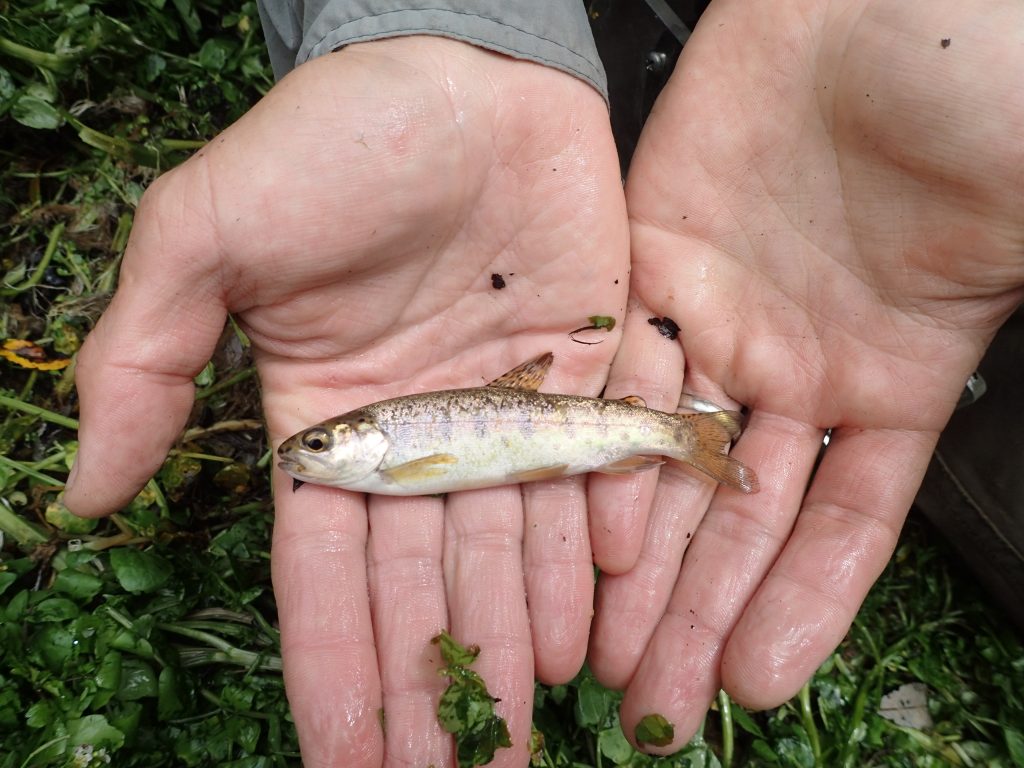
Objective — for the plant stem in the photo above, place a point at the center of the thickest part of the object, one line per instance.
(44, 262)
(807, 716)
(25, 469)
(54, 418)
(19, 529)
(230, 381)
(725, 712)
(50, 61)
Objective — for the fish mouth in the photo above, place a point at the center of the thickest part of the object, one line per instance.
(293, 468)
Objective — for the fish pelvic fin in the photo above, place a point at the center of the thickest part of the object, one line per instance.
(630, 465)
(636, 400)
(419, 469)
(712, 433)
(529, 375)
(544, 473)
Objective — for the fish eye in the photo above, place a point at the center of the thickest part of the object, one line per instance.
(316, 440)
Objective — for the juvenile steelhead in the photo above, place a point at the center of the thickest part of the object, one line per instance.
(506, 432)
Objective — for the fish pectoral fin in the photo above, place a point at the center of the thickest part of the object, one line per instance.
(630, 465)
(544, 473)
(636, 400)
(420, 469)
(529, 375)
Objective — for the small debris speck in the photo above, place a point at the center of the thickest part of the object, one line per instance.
(666, 326)
(944, 42)
(497, 281)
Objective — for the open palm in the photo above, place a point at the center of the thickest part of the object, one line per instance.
(827, 200)
(353, 221)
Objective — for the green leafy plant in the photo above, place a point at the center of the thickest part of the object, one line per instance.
(149, 639)
(466, 709)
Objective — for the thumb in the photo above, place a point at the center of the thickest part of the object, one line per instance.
(134, 372)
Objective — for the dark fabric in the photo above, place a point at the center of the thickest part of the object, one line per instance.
(974, 489)
(639, 54)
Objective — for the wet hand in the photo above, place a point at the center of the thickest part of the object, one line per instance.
(837, 246)
(352, 222)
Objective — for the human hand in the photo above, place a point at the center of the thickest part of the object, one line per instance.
(352, 221)
(827, 199)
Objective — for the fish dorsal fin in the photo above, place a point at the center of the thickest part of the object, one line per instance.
(529, 375)
(636, 400)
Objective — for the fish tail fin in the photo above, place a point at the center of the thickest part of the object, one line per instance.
(707, 451)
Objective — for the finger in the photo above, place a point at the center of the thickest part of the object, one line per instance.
(134, 373)
(559, 576)
(484, 579)
(408, 604)
(846, 532)
(629, 606)
(327, 643)
(733, 547)
(649, 365)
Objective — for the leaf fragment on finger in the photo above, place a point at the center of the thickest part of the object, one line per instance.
(597, 323)
(466, 709)
(655, 730)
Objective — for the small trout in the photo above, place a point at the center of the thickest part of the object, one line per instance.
(506, 432)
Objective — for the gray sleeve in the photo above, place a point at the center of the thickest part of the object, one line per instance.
(555, 33)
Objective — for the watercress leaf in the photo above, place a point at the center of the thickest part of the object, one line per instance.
(108, 674)
(55, 609)
(745, 721)
(214, 54)
(237, 697)
(453, 653)
(138, 681)
(16, 606)
(6, 579)
(61, 518)
(613, 745)
(1015, 745)
(95, 730)
(654, 729)
(10, 705)
(7, 86)
(172, 696)
(245, 731)
(595, 704)
(55, 646)
(152, 66)
(602, 321)
(126, 716)
(139, 571)
(77, 584)
(35, 113)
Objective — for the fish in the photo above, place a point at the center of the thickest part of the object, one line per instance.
(503, 433)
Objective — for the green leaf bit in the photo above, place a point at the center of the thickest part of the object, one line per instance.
(602, 321)
(654, 730)
(466, 709)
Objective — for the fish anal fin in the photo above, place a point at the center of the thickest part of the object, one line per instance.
(420, 469)
(636, 400)
(727, 471)
(711, 435)
(543, 473)
(529, 375)
(630, 465)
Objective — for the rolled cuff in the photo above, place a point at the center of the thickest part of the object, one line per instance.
(555, 33)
